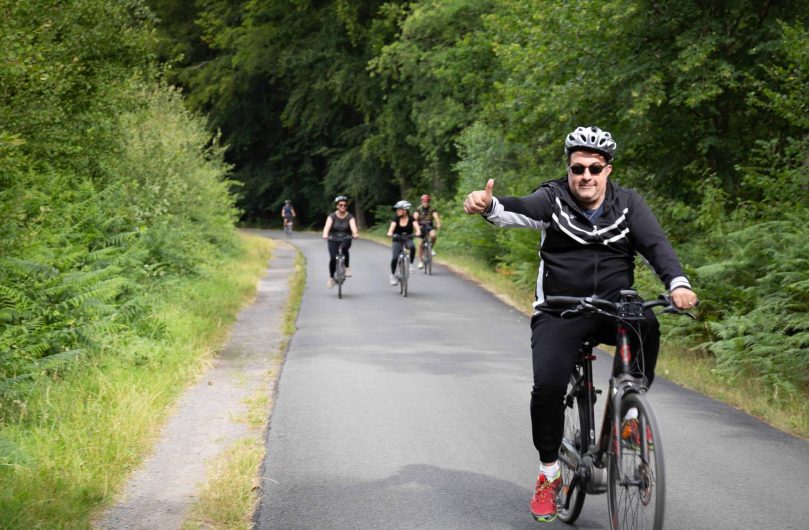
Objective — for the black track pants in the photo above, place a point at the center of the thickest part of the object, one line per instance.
(333, 246)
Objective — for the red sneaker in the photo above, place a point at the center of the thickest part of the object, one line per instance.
(543, 505)
(630, 434)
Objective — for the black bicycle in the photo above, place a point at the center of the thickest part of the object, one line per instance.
(288, 228)
(402, 263)
(340, 263)
(426, 251)
(626, 459)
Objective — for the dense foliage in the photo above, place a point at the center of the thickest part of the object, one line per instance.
(388, 99)
(108, 185)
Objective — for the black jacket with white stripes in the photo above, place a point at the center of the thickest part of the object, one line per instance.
(582, 259)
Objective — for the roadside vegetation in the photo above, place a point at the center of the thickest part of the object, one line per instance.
(120, 269)
(229, 498)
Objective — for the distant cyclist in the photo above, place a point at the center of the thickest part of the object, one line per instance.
(288, 213)
(340, 223)
(429, 222)
(402, 224)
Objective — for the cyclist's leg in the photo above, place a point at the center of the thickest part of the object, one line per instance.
(433, 236)
(554, 344)
(332, 257)
(346, 246)
(395, 249)
(412, 247)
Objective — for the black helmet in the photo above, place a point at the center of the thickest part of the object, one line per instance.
(590, 139)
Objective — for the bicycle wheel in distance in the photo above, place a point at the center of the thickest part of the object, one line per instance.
(340, 277)
(400, 275)
(637, 494)
(428, 259)
(576, 436)
(405, 274)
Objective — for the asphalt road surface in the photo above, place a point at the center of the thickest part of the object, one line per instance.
(413, 413)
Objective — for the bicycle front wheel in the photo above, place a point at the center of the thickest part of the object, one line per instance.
(405, 274)
(637, 491)
(575, 439)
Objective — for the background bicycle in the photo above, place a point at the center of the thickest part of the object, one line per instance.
(402, 273)
(340, 264)
(626, 459)
(426, 252)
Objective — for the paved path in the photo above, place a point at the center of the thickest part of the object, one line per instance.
(413, 413)
(205, 421)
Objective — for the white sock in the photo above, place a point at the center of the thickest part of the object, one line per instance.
(551, 471)
(631, 414)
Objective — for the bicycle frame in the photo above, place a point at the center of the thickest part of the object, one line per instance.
(595, 464)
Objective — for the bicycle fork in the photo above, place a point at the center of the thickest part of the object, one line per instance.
(619, 387)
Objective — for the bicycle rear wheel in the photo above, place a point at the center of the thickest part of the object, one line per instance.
(637, 492)
(575, 438)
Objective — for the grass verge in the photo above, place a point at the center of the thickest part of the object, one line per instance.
(229, 497)
(676, 363)
(78, 435)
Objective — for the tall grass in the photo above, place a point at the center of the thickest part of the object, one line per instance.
(73, 441)
(229, 497)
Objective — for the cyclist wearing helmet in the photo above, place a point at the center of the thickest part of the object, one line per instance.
(429, 222)
(591, 230)
(340, 223)
(288, 213)
(402, 224)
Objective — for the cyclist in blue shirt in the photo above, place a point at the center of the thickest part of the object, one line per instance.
(288, 213)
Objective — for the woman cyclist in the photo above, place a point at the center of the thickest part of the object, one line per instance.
(402, 224)
(340, 223)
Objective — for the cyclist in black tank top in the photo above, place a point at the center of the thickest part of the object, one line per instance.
(340, 223)
(402, 224)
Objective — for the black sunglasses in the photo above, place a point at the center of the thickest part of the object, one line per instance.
(342, 205)
(578, 169)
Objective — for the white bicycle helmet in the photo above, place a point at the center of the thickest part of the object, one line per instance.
(590, 139)
(340, 198)
(404, 205)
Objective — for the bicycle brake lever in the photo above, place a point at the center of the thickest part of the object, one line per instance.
(674, 311)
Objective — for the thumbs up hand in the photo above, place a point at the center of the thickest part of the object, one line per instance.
(479, 201)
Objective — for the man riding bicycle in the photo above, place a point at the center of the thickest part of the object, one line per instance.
(288, 213)
(429, 222)
(592, 229)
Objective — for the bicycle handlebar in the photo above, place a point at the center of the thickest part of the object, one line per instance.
(631, 305)
(402, 237)
(339, 239)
